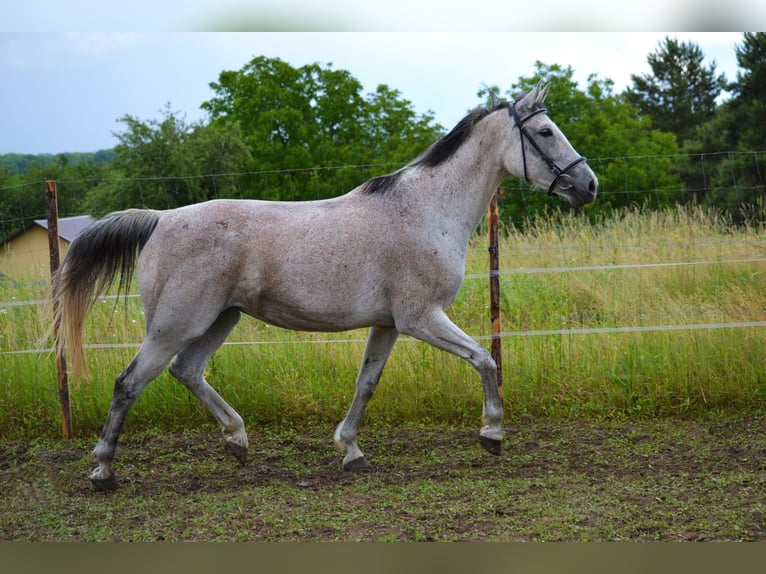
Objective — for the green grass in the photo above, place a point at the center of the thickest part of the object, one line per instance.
(302, 378)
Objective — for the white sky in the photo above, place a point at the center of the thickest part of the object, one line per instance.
(64, 91)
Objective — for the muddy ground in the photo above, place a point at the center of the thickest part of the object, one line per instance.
(556, 480)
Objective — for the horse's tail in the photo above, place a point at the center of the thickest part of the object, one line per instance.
(107, 249)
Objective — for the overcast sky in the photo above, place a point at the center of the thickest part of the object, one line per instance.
(63, 92)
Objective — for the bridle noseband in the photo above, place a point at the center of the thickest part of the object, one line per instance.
(523, 133)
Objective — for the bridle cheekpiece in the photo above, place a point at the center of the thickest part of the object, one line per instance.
(523, 133)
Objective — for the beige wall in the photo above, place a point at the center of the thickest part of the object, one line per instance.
(26, 256)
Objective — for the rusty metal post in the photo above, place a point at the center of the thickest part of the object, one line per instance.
(52, 211)
(494, 289)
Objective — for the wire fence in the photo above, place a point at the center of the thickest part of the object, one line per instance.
(292, 184)
(725, 320)
(726, 175)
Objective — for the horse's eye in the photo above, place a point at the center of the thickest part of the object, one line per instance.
(546, 132)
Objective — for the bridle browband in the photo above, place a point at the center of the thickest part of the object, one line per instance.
(523, 133)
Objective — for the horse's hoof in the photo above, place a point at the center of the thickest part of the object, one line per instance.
(239, 451)
(357, 464)
(108, 484)
(491, 445)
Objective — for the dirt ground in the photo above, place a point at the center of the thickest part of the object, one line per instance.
(638, 480)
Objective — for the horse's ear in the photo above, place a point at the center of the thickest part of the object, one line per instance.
(542, 93)
(537, 95)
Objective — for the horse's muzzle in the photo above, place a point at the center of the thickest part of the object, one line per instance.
(577, 195)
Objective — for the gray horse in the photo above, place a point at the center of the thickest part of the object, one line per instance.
(389, 255)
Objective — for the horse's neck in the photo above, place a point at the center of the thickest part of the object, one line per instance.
(460, 189)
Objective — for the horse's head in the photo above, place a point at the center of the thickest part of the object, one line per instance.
(545, 156)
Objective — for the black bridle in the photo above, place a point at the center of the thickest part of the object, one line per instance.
(523, 133)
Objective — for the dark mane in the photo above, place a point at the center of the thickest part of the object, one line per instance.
(382, 183)
(440, 151)
(444, 148)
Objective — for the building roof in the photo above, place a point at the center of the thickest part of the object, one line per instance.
(69, 227)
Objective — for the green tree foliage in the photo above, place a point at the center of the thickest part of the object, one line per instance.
(394, 132)
(279, 132)
(9, 211)
(636, 162)
(680, 92)
(298, 119)
(168, 163)
(17, 163)
(22, 191)
(22, 197)
(731, 165)
(751, 81)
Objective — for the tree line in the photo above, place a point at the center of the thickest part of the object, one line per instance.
(665, 139)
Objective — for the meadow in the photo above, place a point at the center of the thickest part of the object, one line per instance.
(636, 315)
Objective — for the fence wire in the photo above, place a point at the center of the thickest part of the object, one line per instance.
(704, 164)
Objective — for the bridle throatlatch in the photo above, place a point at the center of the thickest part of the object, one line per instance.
(523, 133)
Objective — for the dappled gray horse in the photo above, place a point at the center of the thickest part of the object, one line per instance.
(389, 255)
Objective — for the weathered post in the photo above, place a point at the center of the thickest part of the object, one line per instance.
(494, 289)
(52, 211)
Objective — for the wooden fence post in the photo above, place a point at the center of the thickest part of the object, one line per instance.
(494, 289)
(52, 212)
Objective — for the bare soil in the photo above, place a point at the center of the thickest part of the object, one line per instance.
(556, 480)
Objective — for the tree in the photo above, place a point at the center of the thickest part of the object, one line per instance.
(633, 161)
(218, 154)
(167, 163)
(749, 101)
(298, 119)
(395, 132)
(736, 179)
(13, 207)
(681, 92)
(22, 196)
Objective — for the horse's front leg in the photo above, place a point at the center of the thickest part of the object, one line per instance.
(380, 342)
(437, 329)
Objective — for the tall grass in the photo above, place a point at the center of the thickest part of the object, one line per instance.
(279, 377)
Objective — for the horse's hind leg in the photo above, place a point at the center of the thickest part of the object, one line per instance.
(380, 342)
(145, 366)
(189, 368)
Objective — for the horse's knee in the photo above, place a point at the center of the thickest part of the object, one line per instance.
(485, 364)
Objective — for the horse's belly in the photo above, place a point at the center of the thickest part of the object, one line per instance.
(319, 315)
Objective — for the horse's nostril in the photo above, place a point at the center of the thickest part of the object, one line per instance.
(592, 187)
